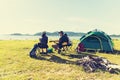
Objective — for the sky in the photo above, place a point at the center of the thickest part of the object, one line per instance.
(32, 16)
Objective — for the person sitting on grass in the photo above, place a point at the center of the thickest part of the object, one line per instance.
(63, 38)
(42, 44)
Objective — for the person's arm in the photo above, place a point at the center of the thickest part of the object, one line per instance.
(47, 40)
(61, 40)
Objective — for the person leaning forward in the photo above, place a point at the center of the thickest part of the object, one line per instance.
(63, 38)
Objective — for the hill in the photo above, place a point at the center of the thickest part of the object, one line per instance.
(56, 34)
(20, 34)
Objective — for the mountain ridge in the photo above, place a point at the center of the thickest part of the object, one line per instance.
(69, 33)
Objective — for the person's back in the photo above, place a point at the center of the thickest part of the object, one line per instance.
(67, 39)
(43, 41)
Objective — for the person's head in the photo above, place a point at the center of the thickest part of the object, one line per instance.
(43, 34)
(61, 33)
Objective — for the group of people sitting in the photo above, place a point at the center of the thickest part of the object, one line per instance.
(58, 46)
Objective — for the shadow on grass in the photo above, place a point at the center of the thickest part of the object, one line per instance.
(80, 55)
(116, 52)
(56, 59)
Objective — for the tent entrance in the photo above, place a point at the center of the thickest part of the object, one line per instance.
(94, 43)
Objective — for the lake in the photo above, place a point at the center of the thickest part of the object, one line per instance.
(15, 37)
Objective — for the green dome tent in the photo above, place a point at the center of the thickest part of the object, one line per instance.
(97, 40)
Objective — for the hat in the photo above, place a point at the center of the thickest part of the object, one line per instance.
(61, 32)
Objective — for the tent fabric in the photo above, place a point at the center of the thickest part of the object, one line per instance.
(97, 40)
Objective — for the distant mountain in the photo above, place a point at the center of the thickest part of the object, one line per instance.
(19, 34)
(75, 33)
(113, 35)
(48, 33)
(56, 33)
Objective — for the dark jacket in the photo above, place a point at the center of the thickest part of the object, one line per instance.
(63, 39)
(43, 42)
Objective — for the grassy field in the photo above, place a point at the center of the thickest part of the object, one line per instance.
(15, 63)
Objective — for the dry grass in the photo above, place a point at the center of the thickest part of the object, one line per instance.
(15, 63)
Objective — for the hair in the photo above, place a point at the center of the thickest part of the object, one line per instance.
(61, 32)
(43, 34)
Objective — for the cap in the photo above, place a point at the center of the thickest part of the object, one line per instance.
(61, 32)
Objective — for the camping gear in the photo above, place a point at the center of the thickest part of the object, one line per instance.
(50, 50)
(97, 41)
(32, 54)
(92, 64)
